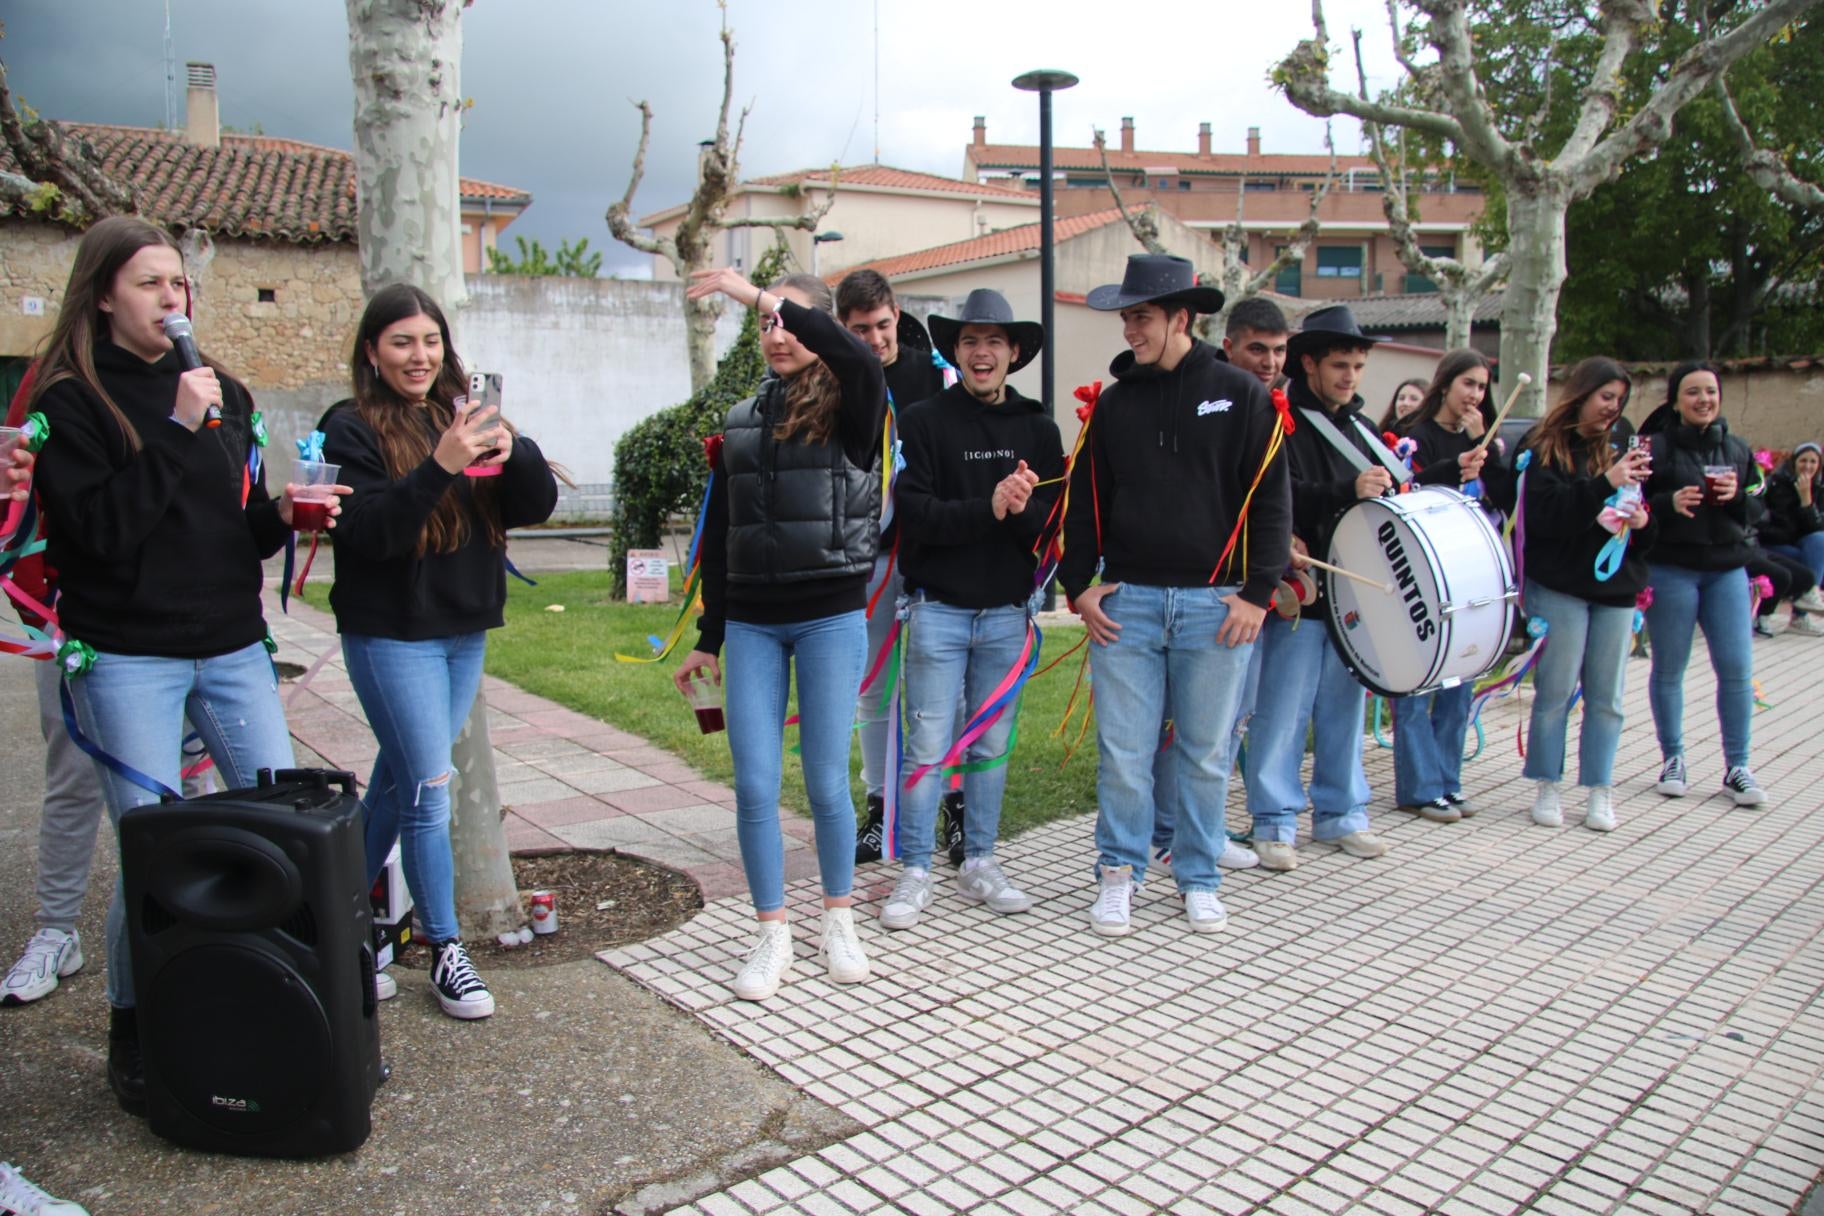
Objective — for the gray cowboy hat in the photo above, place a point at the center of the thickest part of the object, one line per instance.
(986, 306)
(1156, 278)
(1333, 321)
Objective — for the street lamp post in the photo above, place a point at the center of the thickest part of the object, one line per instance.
(1044, 82)
(818, 239)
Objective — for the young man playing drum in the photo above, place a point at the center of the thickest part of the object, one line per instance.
(1180, 496)
(1335, 459)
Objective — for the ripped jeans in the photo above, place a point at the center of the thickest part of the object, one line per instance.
(416, 696)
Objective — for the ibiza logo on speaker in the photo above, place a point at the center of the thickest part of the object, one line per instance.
(245, 1106)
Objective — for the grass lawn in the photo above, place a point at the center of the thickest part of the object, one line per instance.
(568, 657)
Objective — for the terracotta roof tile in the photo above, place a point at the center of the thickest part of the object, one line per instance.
(993, 245)
(251, 186)
(899, 179)
(1416, 310)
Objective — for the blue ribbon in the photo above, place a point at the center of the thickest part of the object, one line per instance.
(88, 747)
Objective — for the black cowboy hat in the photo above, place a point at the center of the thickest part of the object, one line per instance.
(1333, 321)
(986, 306)
(1156, 278)
(912, 335)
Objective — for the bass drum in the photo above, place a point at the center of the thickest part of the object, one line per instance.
(1451, 609)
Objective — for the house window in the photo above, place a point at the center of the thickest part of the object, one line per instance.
(1416, 284)
(268, 295)
(1290, 281)
(1184, 183)
(1339, 261)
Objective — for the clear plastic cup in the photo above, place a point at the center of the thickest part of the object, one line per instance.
(314, 494)
(706, 700)
(1714, 476)
(10, 438)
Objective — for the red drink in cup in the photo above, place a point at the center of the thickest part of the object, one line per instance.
(312, 493)
(704, 700)
(309, 516)
(1714, 476)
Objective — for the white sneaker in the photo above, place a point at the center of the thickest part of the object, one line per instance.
(768, 961)
(385, 986)
(982, 882)
(910, 895)
(1281, 855)
(1109, 914)
(1811, 601)
(20, 1196)
(841, 947)
(460, 991)
(1205, 912)
(1601, 814)
(1672, 777)
(1548, 812)
(1360, 844)
(1741, 785)
(1161, 864)
(51, 955)
(1810, 626)
(1237, 857)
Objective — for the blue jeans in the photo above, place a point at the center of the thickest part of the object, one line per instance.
(1809, 550)
(133, 707)
(1587, 641)
(1166, 663)
(827, 655)
(871, 710)
(1428, 735)
(417, 697)
(1165, 807)
(1717, 601)
(954, 652)
(1303, 683)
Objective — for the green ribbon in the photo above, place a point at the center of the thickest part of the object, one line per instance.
(259, 428)
(39, 428)
(75, 658)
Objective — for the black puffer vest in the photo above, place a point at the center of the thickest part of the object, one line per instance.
(796, 511)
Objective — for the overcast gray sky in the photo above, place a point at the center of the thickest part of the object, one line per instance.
(553, 80)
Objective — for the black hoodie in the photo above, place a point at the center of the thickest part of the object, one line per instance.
(957, 450)
(1161, 478)
(155, 552)
(1323, 479)
(1563, 537)
(1714, 537)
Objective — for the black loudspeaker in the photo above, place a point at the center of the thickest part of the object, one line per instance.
(252, 948)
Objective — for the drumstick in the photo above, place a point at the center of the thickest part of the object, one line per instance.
(1385, 588)
(1494, 428)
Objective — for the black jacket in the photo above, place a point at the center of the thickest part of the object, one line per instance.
(1323, 479)
(384, 587)
(1716, 537)
(155, 552)
(957, 450)
(1434, 463)
(1160, 481)
(1788, 521)
(1563, 537)
(859, 421)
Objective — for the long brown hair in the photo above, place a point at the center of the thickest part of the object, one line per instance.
(69, 352)
(399, 427)
(1452, 365)
(1552, 440)
(812, 396)
(1393, 403)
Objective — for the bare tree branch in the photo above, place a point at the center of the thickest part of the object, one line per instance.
(1144, 224)
(1450, 37)
(69, 165)
(1624, 22)
(1304, 76)
(808, 221)
(620, 218)
(1768, 170)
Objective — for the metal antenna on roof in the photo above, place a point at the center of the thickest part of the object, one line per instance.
(170, 73)
(877, 81)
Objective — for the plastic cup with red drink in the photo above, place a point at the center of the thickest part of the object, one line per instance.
(313, 493)
(1714, 477)
(706, 700)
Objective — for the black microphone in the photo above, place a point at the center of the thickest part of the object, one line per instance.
(177, 329)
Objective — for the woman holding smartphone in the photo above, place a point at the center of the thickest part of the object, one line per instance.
(1698, 571)
(420, 579)
(787, 549)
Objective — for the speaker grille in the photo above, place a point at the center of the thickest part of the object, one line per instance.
(301, 926)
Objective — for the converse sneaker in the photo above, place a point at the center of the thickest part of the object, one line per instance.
(910, 895)
(20, 1196)
(1811, 601)
(1281, 855)
(1465, 807)
(768, 961)
(1109, 914)
(51, 955)
(1205, 912)
(1601, 814)
(1762, 629)
(459, 990)
(1548, 812)
(1437, 810)
(950, 827)
(982, 882)
(1741, 786)
(1161, 864)
(1672, 777)
(1360, 844)
(841, 947)
(1237, 856)
(385, 986)
(1810, 626)
(868, 840)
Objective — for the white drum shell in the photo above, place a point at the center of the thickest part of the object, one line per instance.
(1452, 607)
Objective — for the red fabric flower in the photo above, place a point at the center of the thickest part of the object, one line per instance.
(1283, 408)
(712, 448)
(1088, 394)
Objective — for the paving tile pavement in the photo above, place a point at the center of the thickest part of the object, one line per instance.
(1494, 1018)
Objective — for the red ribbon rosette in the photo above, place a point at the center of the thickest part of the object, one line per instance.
(1088, 394)
(712, 448)
(1283, 408)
